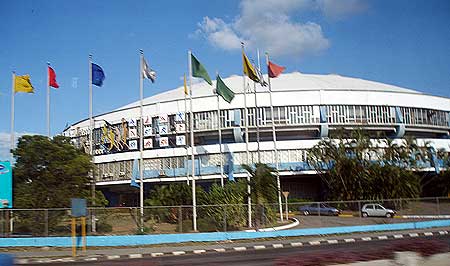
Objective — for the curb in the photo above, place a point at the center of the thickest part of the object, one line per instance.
(278, 228)
(229, 249)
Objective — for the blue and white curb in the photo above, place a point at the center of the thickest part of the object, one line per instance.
(134, 240)
(232, 249)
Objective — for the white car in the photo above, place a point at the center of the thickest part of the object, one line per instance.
(376, 210)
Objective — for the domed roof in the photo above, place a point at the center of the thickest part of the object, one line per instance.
(294, 81)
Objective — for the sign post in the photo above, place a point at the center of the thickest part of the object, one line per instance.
(78, 210)
(286, 194)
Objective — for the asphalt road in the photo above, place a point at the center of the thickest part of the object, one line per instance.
(269, 256)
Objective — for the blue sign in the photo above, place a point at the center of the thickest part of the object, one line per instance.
(79, 207)
(5, 185)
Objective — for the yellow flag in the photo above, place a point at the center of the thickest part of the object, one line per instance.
(185, 87)
(249, 70)
(23, 84)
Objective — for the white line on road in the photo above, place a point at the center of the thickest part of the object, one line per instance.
(199, 251)
(177, 253)
(90, 259)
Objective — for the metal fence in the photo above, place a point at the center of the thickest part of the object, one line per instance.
(215, 218)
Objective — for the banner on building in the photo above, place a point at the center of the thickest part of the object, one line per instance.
(5, 185)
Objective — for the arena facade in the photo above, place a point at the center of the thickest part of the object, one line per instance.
(306, 108)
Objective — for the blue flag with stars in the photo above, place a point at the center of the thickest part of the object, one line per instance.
(97, 75)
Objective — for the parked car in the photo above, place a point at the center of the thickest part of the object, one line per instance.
(319, 208)
(376, 210)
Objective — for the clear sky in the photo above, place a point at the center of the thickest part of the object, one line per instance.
(405, 43)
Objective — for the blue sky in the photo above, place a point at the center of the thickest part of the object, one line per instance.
(405, 43)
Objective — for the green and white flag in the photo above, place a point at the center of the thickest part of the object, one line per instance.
(222, 89)
(199, 71)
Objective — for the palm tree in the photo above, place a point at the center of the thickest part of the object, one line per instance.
(263, 189)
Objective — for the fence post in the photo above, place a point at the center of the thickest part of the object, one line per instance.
(438, 207)
(359, 209)
(46, 222)
(180, 219)
(9, 227)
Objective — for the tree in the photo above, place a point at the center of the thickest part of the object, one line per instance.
(48, 173)
(227, 203)
(353, 166)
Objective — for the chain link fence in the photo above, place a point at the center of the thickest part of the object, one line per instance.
(221, 218)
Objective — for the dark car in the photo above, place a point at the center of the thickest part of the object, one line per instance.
(319, 208)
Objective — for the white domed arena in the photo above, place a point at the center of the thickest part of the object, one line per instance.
(298, 111)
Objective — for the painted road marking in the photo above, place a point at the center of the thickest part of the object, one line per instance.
(199, 251)
(277, 245)
(90, 259)
(178, 253)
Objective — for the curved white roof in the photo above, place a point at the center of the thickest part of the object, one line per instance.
(294, 81)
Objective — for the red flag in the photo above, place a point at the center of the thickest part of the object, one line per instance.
(274, 70)
(52, 78)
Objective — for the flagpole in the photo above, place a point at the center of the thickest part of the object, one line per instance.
(257, 112)
(191, 123)
(48, 102)
(249, 199)
(141, 142)
(274, 136)
(185, 128)
(12, 114)
(91, 125)
(219, 126)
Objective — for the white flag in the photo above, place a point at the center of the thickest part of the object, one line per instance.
(147, 72)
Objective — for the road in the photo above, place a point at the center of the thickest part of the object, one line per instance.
(268, 256)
